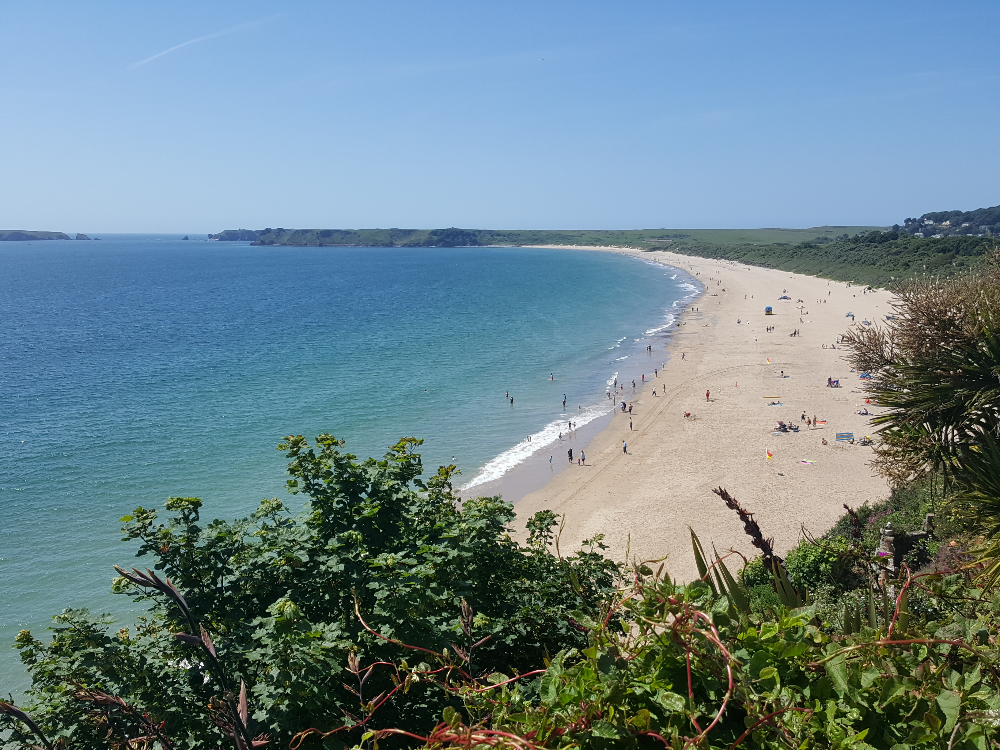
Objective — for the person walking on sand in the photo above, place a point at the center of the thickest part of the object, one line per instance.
(630, 410)
(624, 447)
(707, 393)
(683, 355)
(570, 454)
(583, 457)
(630, 424)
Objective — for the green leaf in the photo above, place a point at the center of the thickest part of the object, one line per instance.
(451, 717)
(837, 669)
(699, 561)
(949, 702)
(768, 673)
(605, 730)
(672, 702)
(932, 722)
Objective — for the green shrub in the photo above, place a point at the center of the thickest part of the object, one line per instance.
(812, 564)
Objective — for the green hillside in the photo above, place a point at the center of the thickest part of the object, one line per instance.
(876, 258)
(869, 255)
(456, 237)
(21, 235)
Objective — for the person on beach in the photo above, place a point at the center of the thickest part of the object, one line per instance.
(683, 355)
(630, 410)
(583, 458)
(707, 395)
(570, 454)
(624, 447)
(630, 425)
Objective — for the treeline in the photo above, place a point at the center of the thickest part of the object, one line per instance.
(982, 221)
(875, 258)
(450, 237)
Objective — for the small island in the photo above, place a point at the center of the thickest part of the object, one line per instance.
(82, 236)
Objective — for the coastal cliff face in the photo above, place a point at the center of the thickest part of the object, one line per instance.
(21, 235)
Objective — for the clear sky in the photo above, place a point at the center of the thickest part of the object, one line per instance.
(200, 116)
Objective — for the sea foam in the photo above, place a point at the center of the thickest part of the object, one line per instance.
(539, 440)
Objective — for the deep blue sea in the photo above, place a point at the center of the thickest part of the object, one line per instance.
(139, 367)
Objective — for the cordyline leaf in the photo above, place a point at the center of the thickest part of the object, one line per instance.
(243, 702)
(192, 639)
(207, 641)
(699, 559)
(135, 577)
(737, 594)
(9, 709)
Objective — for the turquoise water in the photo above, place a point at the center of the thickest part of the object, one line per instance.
(137, 367)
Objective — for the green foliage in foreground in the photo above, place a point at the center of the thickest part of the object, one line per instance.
(679, 666)
(282, 598)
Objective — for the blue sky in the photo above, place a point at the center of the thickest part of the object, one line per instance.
(196, 117)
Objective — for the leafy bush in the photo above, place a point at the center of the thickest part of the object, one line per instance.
(811, 565)
(283, 598)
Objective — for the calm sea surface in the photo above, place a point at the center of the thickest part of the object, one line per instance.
(137, 367)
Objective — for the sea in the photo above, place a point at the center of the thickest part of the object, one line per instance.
(138, 367)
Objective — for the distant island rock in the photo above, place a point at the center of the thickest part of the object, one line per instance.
(185, 237)
(82, 236)
(22, 235)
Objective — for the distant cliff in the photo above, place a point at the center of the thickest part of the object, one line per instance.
(450, 237)
(234, 235)
(21, 235)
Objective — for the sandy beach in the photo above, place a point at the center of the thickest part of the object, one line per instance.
(643, 501)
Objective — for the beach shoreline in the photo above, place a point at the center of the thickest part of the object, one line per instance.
(644, 500)
(522, 476)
